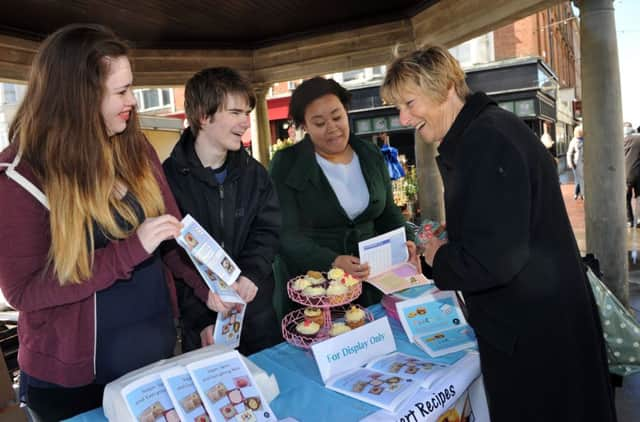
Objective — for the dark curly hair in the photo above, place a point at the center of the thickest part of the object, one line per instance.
(312, 89)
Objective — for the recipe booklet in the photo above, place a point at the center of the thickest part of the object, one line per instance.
(387, 257)
(435, 323)
(183, 394)
(419, 369)
(227, 389)
(198, 243)
(387, 381)
(148, 400)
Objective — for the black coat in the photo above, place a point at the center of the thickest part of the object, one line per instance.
(512, 253)
(243, 215)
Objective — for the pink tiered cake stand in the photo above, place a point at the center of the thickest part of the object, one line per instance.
(333, 308)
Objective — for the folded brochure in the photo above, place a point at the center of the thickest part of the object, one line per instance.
(228, 326)
(204, 249)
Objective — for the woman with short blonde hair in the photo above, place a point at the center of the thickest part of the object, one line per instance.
(431, 69)
(510, 248)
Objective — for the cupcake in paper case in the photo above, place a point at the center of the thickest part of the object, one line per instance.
(315, 315)
(335, 274)
(337, 292)
(349, 281)
(314, 291)
(315, 277)
(355, 317)
(338, 328)
(308, 328)
(301, 284)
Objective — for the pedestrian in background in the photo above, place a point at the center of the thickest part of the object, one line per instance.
(632, 167)
(575, 161)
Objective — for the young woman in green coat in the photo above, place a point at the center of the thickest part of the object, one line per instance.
(334, 191)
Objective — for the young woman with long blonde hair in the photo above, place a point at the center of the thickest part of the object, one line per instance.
(85, 207)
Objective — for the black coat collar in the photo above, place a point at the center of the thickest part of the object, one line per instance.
(474, 104)
(186, 160)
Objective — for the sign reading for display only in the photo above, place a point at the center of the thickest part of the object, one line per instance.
(353, 348)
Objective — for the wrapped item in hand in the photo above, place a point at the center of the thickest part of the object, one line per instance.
(429, 229)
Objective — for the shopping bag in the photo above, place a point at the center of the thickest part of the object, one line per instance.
(620, 328)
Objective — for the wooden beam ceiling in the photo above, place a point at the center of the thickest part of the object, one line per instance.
(445, 22)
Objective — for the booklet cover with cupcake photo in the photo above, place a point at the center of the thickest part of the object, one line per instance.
(147, 400)
(435, 323)
(186, 400)
(387, 257)
(228, 391)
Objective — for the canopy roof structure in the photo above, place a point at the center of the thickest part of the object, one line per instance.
(272, 41)
(269, 40)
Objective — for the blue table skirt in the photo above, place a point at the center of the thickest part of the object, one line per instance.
(302, 392)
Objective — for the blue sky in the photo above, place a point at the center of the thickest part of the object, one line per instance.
(628, 32)
(627, 15)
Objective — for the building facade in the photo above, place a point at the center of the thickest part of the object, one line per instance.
(530, 67)
(553, 35)
(10, 97)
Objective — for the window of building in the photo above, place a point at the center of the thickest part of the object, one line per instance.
(9, 94)
(291, 85)
(525, 108)
(462, 53)
(379, 70)
(153, 98)
(353, 75)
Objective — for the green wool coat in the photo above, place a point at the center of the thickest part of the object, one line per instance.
(315, 227)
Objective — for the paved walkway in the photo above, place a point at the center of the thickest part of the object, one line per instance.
(627, 397)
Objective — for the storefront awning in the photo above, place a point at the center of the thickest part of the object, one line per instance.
(278, 108)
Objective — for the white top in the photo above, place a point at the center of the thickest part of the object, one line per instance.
(348, 184)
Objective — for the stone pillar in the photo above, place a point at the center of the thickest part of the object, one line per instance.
(430, 191)
(604, 171)
(260, 132)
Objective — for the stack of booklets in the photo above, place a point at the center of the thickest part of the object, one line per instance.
(219, 272)
(435, 323)
(218, 388)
